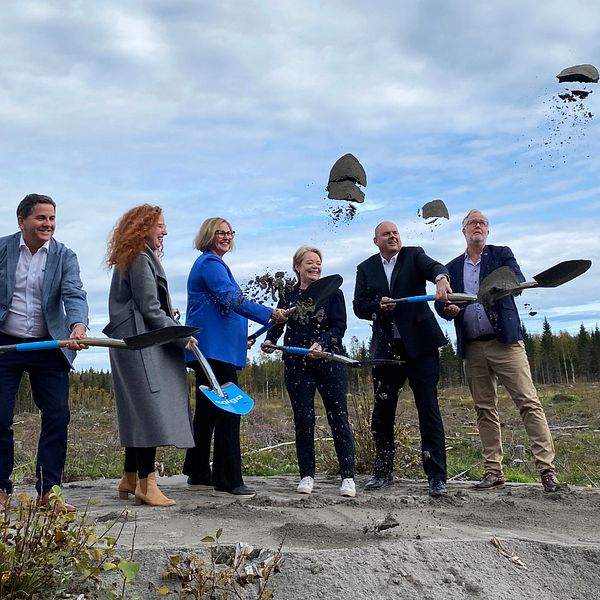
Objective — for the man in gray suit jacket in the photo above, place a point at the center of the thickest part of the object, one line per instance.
(41, 298)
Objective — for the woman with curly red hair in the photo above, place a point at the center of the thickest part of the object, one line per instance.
(150, 384)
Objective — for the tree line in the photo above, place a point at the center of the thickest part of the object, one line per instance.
(554, 358)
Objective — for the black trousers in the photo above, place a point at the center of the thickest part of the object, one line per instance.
(303, 376)
(422, 373)
(49, 377)
(211, 421)
(140, 460)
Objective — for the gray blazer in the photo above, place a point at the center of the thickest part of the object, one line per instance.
(150, 384)
(63, 298)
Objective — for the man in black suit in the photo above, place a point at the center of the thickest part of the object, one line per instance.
(410, 332)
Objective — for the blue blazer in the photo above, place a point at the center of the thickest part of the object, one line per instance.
(63, 298)
(217, 305)
(504, 317)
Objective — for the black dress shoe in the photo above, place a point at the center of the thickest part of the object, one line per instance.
(241, 491)
(378, 481)
(437, 488)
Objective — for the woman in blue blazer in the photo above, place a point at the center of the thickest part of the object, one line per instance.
(218, 307)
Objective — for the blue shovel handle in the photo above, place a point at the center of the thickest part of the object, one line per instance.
(29, 346)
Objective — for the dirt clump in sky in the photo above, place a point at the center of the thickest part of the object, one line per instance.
(568, 118)
(339, 215)
(345, 177)
(433, 211)
(581, 73)
(269, 286)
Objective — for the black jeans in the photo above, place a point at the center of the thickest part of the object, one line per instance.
(422, 373)
(208, 421)
(303, 376)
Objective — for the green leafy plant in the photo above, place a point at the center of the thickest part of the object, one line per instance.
(46, 552)
(226, 573)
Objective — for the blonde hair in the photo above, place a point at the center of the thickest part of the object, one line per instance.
(301, 252)
(206, 234)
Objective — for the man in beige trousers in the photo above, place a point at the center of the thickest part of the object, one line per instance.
(490, 342)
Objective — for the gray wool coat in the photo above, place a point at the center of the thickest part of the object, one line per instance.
(150, 384)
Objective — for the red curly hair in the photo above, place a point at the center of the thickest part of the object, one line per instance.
(128, 236)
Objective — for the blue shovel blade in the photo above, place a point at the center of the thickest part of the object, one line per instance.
(236, 401)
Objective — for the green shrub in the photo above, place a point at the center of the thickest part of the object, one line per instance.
(47, 553)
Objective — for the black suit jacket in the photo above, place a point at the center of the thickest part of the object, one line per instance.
(415, 322)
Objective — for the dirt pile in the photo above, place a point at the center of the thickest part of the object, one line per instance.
(396, 543)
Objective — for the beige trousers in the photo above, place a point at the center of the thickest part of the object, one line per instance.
(486, 363)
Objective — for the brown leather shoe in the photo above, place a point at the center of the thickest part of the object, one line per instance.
(490, 480)
(45, 503)
(550, 481)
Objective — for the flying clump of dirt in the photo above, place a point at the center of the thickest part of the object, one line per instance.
(341, 214)
(345, 177)
(581, 73)
(269, 287)
(567, 116)
(433, 211)
(529, 310)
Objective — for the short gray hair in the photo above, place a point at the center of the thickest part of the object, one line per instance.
(473, 210)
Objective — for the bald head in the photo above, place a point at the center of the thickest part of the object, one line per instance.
(387, 239)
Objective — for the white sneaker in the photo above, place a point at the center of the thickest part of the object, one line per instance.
(306, 485)
(348, 489)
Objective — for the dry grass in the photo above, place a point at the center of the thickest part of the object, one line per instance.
(94, 449)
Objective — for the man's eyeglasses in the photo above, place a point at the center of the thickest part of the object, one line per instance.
(472, 222)
(225, 234)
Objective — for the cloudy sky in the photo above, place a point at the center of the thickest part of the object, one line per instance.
(240, 109)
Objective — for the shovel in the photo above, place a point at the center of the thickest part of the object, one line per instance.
(135, 342)
(503, 282)
(228, 397)
(315, 293)
(431, 297)
(355, 364)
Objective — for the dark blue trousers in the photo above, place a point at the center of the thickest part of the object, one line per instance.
(49, 377)
(303, 377)
(422, 373)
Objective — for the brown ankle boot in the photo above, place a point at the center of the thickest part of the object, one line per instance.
(127, 484)
(147, 492)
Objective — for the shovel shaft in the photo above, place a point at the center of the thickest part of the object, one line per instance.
(431, 298)
(52, 344)
(214, 384)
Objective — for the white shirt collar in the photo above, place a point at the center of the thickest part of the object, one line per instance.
(392, 260)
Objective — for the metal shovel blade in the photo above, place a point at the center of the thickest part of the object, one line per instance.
(234, 401)
(503, 282)
(562, 272)
(158, 336)
(315, 293)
